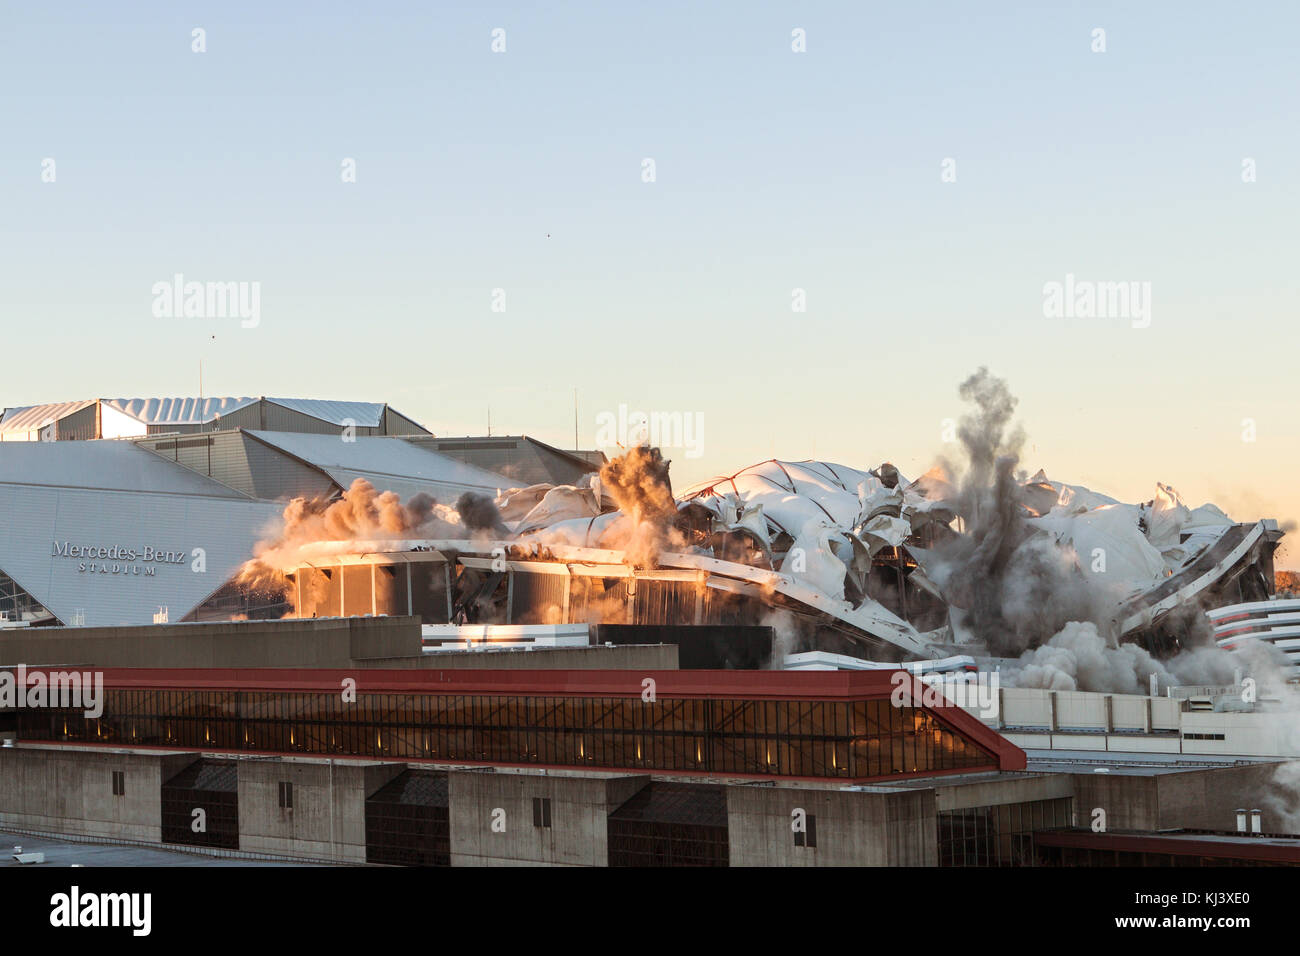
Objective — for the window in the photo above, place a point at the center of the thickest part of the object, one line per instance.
(541, 811)
(119, 783)
(858, 740)
(286, 796)
(808, 836)
(670, 824)
(999, 835)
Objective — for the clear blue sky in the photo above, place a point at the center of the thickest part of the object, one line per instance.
(775, 171)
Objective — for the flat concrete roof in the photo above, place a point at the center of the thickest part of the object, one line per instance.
(66, 852)
(1132, 764)
(938, 781)
(1243, 846)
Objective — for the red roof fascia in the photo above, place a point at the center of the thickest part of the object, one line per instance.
(1244, 849)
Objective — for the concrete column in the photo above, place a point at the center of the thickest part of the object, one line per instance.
(568, 586)
(510, 595)
(446, 577)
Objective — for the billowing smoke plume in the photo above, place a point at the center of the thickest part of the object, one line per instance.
(479, 514)
(790, 635)
(986, 434)
(361, 514)
(1010, 591)
(1078, 658)
(1281, 800)
(638, 484)
(1020, 593)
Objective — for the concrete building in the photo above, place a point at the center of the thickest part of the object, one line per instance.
(1275, 622)
(574, 768)
(344, 642)
(504, 682)
(140, 417)
(397, 813)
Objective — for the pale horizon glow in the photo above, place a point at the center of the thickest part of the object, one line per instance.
(775, 171)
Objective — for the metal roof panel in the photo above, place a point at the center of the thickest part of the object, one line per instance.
(364, 414)
(177, 411)
(36, 417)
(103, 465)
(390, 464)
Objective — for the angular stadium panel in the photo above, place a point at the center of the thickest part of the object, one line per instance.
(391, 464)
(524, 460)
(105, 533)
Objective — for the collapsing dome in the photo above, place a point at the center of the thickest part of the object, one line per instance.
(978, 558)
(840, 559)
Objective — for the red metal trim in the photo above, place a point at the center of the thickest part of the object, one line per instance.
(1236, 617)
(1239, 630)
(1245, 849)
(805, 685)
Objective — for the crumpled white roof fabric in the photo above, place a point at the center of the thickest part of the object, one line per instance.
(1109, 547)
(829, 518)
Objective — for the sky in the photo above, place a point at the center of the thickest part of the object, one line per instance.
(919, 172)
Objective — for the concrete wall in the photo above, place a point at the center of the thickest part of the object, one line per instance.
(332, 642)
(388, 642)
(1131, 802)
(854, 828)
(1195, 799)
(1002, 789)
(1163, 743)
(578, 834)
(328, 818)
(648, 657)
(1272, 734)
(1027, 708)
(1208, 799)
(70, 790)
(1245, 735)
